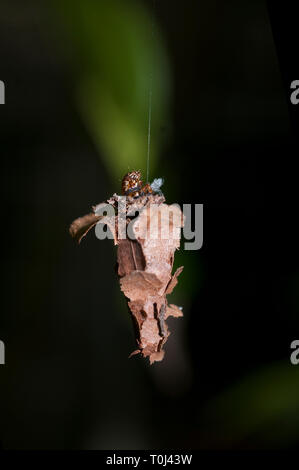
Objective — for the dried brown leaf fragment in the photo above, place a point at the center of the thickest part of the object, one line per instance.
(144, 264)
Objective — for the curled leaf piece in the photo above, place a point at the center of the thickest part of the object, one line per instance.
(145, 258)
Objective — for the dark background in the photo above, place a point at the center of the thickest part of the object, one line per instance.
(227, 381)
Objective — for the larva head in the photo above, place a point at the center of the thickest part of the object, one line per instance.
(131, 182)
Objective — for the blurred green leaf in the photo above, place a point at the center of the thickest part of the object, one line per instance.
(265, 405)
(118, 52)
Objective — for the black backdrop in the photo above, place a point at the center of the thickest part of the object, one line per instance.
(67, 382)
